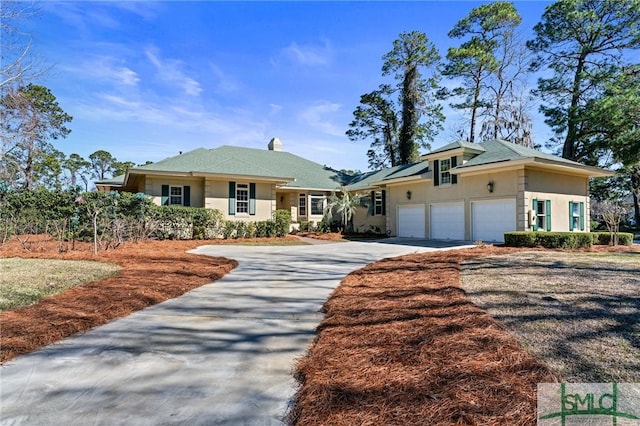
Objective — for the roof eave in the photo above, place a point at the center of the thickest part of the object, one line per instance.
(575, 169)
(258, 178)
(459, 150)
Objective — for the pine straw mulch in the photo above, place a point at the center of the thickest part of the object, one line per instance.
(151, 272)
(401, 344)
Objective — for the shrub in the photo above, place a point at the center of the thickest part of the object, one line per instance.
(282, 222)
(564, 240)
(520, 239)
(604, 238)
(229, 229)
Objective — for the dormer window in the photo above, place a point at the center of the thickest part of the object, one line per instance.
(442, 171)
(445, 176)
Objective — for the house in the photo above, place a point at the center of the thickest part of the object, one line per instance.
(476, 192)
(461, 191)
(243, 183)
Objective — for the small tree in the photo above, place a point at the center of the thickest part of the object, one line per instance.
(344, 205)
(612, 213)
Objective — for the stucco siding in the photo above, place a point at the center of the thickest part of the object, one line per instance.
(153, 187)
(559, 210)
(556, 183)
(363, 221)
(217, 197)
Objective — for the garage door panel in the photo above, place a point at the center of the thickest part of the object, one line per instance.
(490, 220)
(411, 221)
(447, 221)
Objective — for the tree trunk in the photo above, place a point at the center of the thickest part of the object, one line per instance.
(475, 106)
(409, 115)
(569, 148)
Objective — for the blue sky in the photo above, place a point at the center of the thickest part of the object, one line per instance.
(145, 80)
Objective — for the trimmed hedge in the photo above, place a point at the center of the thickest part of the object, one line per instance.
(604, 238)
(563, 240)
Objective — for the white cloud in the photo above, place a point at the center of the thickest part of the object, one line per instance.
(274, 109)
(308, 55)
(106, 69)
(318, 116)
(225, 83)
(170, 71)
(209, 126)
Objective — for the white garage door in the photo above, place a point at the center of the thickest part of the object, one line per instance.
(447, 221)
(411, 221)
(491, 219)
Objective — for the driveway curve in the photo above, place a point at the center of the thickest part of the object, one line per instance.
(220, 354)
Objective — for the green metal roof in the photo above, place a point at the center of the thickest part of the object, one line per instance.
(231, 160)
(366, 180)
(496, 151)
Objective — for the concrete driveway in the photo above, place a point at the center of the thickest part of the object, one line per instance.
(220, 354)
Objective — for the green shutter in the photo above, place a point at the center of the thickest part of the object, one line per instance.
(436, 172)
(582, 216)
(371, 211)
(252, 198)
(165, 195)
(186, 196)
(384, 202)
(535, 214)
(232, 198)
(454, 163)
(548, 212)
(570, 215)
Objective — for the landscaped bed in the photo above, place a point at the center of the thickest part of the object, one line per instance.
(403, 344)
(150, 272)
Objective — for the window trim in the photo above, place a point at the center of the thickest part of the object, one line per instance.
(378, 203)
(542, 219)
(313, 197)
(444, 173)
(171, 195)
(244, 187)
(302, 204)
(576, 216)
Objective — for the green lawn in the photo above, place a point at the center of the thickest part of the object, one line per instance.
(24, 282)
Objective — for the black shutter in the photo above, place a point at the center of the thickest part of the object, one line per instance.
(252, 198)
(436, 172)
(454, 163)
(165, 195)
(232, 198)
(372, 204)
(384, 202)
(186, 196)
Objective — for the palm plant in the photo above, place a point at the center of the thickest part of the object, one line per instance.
(344, 204)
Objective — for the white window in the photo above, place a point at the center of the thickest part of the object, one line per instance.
(242, 198)
(575, 217)
(541, 215)
(175, 196)
(445, 176)
(378, 203)
(302, 205)
(317, 204)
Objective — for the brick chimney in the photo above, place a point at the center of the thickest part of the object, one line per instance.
(275, 145)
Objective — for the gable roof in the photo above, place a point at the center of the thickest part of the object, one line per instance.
(289, 169)
(469, 146)
(498, 151)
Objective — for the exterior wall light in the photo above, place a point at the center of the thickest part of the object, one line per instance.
(408, 195)
(490, 186)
